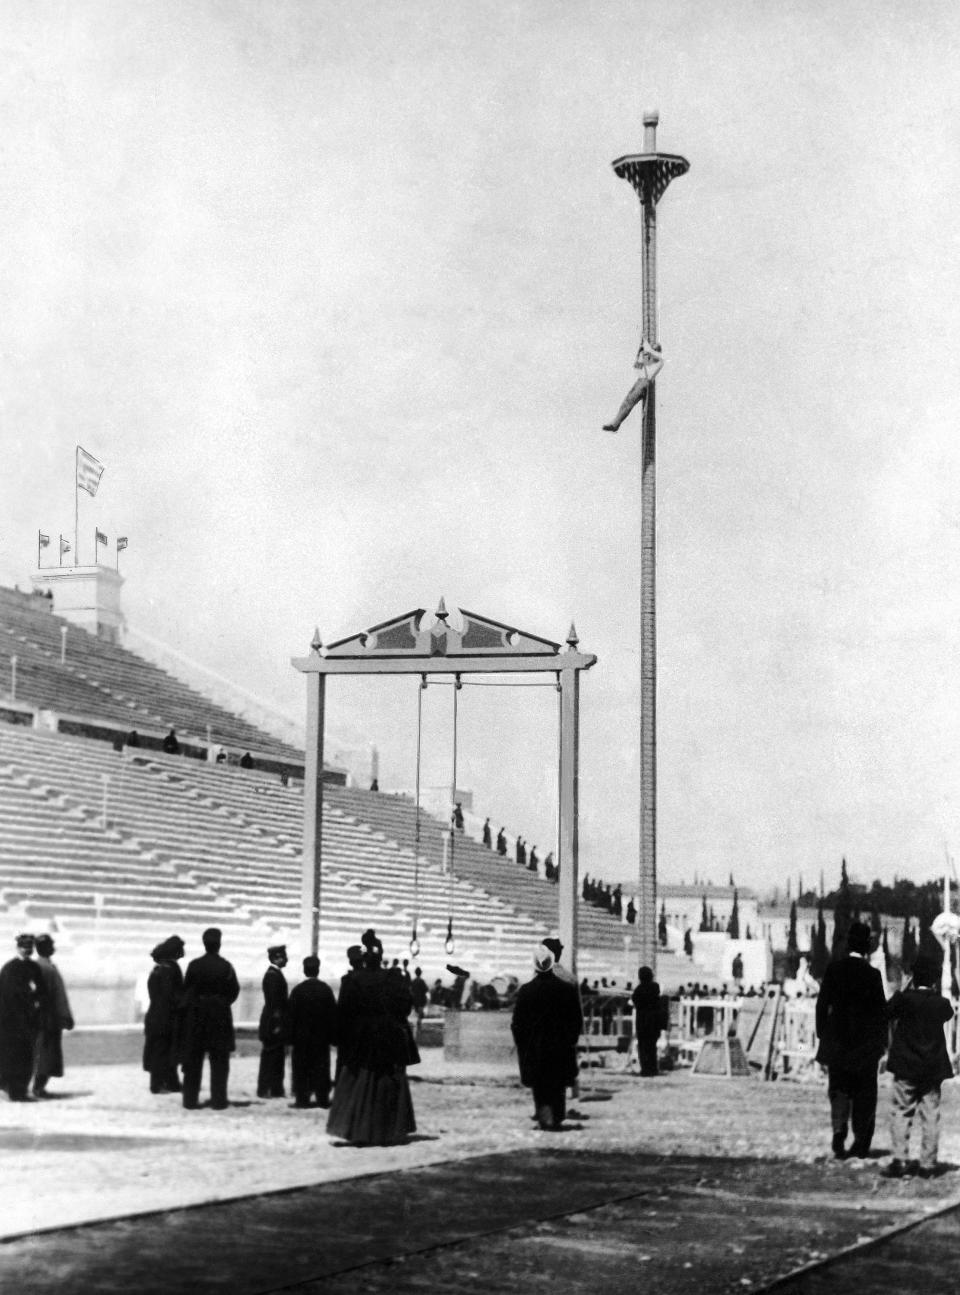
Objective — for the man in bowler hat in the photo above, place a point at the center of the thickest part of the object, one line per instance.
(274, 1025)
(210, 988)
(852, 1029)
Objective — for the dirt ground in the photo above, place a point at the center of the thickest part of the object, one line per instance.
(742, 1169)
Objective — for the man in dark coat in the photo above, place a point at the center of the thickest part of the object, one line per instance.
(919, 1063)
(21, 1007)
(274, 1025)
(55, 1017)
(852, 1029)
(546, 1027)
(419, 995)
(170, 743)
(502, 843)
(210, 988)
(487, 834)
(650, 1010)
(161, 1025)
(313, 1018)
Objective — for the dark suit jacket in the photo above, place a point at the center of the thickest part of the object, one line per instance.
(851, 1016)
(274, 1024)
(210, 987)
(918, 1053)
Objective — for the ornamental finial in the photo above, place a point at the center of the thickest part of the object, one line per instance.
(316, 642)
(651, 119)
(572, 639)
(442, 612)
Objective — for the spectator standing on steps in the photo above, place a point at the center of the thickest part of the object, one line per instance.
(919, 1063)
(170, 743)
(487, 834)
(502, 843)
(851, 1025)
(274, 1025)
(210, 988)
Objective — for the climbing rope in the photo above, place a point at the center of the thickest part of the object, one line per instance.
(414, 939)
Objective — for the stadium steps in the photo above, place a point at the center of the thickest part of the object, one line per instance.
(102, 679)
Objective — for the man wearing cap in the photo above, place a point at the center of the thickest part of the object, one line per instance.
(55, 1017)
(274, 1025)
(22, 1000)
(546, 1027)
(313, 1018)
(852, 1029)
(161, 1024)
(210, 988)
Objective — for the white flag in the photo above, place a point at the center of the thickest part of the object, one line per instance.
(89, 471)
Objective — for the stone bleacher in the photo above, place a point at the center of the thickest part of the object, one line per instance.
(99, 680)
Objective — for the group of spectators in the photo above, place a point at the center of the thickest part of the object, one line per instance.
(190, 1020)
(527, 858)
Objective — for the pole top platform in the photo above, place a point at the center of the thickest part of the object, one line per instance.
(650, 172)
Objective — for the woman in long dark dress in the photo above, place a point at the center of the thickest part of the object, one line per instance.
(371, 1101)
(161, 1025)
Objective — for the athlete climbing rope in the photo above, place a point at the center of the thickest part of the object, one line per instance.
(649, 361)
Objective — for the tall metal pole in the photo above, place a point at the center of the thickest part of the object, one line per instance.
(649, 173)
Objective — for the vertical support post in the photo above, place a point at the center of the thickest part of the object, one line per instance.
(310, 886)
(76, 506)
(946, 970)
(569, 813)
(647, 895)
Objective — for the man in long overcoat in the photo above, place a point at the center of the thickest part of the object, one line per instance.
(313, 1027)
(55, 1017)
(161, 1025)
(210, 988)
(21, 1006)
(274, 1025)
(852, 1029)
(546, 1027)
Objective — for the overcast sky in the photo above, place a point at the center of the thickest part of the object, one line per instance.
(341, 295)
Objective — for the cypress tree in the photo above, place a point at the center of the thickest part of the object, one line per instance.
(820, 955)
(733, 926)
(792, 933)
(842, 913)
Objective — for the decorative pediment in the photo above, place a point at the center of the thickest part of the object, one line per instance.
(418, 634)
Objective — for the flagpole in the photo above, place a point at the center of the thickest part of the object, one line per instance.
(39, 533)
(76, 506)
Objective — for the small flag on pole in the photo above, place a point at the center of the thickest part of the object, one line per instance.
(121, 543)
(44, 540)
(64, 546)
(89, 471)
(101, 538)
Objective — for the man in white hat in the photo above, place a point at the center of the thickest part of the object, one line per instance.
(546, 1027)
